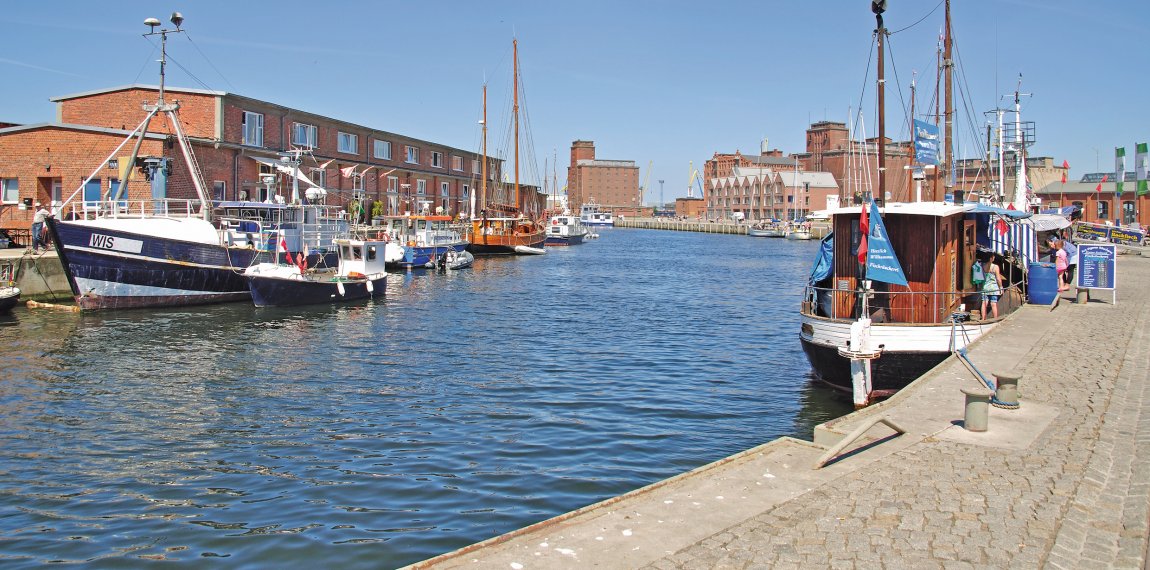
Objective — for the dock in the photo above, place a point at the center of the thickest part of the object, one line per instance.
(818, 230)
(1059, 482)
(40, 276)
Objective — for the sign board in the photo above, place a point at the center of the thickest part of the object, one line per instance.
(925, 142)
(1092, 232)
(1098, 232)
(1096, 266)
(1126, 236)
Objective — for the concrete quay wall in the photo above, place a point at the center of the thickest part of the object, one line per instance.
(40, 276)
(1061, 482)
(818, 231)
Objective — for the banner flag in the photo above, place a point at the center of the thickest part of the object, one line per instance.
(881, 262)
(1141, 165)
(864, 229)
(1119, 169)
(1099, 187)
(925, 143)
(1065, 169)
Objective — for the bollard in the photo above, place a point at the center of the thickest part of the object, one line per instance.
(977, 408)
(1082, 297)
(1006, 397)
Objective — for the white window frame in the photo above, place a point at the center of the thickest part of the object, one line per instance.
(436, 159)
(457, 163)
(392, 184)
(253, 129)
(465, 190)
(475, 166)
(411, 154)
(444, 188)
(305, 135)
(421, 187)
(319, 177)
(10, 190)
(381, 149)
(348, 143)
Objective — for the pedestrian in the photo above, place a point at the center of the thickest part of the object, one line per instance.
(1071, 260)
(991, 287)
(38, 227)
(1060, 265)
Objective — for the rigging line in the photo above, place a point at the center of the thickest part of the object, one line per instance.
(866, 76)
(147, 61)
(185, 70)
(935, 9)
(898, 83)
(202, 54)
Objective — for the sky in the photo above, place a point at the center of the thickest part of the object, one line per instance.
(662, 83)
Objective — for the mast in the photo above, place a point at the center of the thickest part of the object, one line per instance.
(948, 66)
(878, 7)
(914, 151)
(1020, 201)
(515, 111)
(483, 183)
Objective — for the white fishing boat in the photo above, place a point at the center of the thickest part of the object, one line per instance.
(565, 229)
(591, 215)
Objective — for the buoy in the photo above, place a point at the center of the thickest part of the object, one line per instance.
(39, 305)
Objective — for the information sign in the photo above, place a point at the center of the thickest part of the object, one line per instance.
(1096, 267)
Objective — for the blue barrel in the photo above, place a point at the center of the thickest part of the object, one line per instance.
(1042, 283)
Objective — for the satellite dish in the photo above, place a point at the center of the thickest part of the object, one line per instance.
(878, 6)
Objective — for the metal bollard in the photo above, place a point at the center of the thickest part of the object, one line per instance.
(1006, 397)
(977, 408)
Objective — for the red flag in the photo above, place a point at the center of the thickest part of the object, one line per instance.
(1104, 177)
(864, 229)
(1065, 169)
(1003, 228)
(287, 254)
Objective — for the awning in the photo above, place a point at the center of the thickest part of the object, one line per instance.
(286, 169)
(1047, 222)
(1007, 212)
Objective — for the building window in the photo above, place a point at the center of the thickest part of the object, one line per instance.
(392, 184)
(444, 189)
(421, 187)
(348, 143)
(219, 190)
(1103, 210)
(1128, 213)
(464, 191)
(383, 149)
(457, 163)
(10, 190)
(319, 177)
(253, 125)
(412, 155)
(303, 135)
(437, 159)
(474, 166)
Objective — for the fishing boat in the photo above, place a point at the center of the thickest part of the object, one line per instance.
(423, 237)
(359, 275)
(9, 297)
(565, 229)
(502, 228)
(162, 252)
(591, 215)
(869, 327)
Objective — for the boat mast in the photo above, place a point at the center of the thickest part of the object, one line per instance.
(515, 111)
(878, 7)
(483, 183)
(948, 66)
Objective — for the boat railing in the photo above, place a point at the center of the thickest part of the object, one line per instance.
(154, 208)
(905, 307)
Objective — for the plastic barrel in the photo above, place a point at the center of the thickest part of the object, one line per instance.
(1042, 283)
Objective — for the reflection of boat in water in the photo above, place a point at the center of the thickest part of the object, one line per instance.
(360, 275)
(9, 297)
(565, 229)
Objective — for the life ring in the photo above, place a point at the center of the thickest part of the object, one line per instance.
(554, 222)
(411, 243)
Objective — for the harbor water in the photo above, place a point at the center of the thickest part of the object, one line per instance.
(462, 406)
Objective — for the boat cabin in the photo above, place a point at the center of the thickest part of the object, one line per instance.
(362, 257)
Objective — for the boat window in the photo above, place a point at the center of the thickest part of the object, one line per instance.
(357, 252)
(371, 253)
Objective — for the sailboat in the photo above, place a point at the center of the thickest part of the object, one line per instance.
(503, 229)
(871, 326)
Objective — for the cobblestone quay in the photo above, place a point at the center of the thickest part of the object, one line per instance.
(1061, 482)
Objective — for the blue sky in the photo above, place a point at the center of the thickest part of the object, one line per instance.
(666, 82)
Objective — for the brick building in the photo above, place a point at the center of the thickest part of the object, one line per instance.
(1099, 201)
(238, 142)
(613, 184)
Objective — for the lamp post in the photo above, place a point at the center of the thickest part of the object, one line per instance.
(661, 193)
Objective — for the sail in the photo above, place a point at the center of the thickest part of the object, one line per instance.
(881, 262)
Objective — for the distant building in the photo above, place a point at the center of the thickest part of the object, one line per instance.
(613, 184)
(1099, 206)
(691, 207)
(237, 142)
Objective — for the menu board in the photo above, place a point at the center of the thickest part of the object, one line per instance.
(1096, 266)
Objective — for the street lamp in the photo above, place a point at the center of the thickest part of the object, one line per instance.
(661, 203)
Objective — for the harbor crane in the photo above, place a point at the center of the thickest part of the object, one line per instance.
(646, 180)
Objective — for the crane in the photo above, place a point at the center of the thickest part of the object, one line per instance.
(696, 179)
(646, 180)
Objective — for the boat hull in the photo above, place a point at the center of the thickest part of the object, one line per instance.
(9, 297)
(420, 256)
(114, 269)
(504, 245)
(269, 291)
(562, 240)
(909, 350)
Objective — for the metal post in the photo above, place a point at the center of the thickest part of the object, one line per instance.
(977, 408)
(1006, 397)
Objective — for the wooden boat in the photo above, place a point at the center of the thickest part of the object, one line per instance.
(360, 275)
(9, 297)
(503, 229)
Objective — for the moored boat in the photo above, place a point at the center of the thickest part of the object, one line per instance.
(423, 237)
(9, 297)
(591, 215)
(359, 275)
(565, 229)
(452, 260)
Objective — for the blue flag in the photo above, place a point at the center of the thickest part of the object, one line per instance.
(925, 143)
(881, 262)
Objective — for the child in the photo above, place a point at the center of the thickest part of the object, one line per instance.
(1060, 264)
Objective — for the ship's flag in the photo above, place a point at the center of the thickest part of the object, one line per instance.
(1065, 169)
(864, 229)
(1119, 169)
(1099, 187)
(326, 164)
(284, 248)
(347, 172)
(881, 262)
(1002, 226)
(1141, 165)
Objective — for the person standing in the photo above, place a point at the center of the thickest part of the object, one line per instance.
(1071, 260)
(1060, 265)
(991, 288)
(38, 227)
